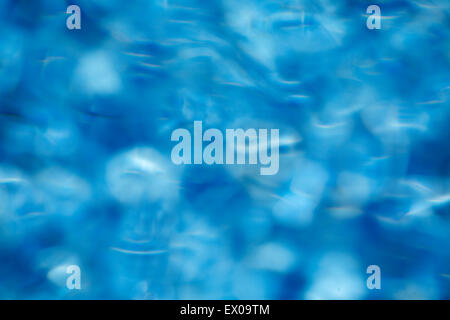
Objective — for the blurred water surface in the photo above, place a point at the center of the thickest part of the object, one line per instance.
(85, 171)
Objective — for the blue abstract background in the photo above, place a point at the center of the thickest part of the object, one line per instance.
(86, 117)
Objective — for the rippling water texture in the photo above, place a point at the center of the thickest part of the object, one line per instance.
(86, 177)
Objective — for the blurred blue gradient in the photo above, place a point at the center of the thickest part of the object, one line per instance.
(85, 171)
